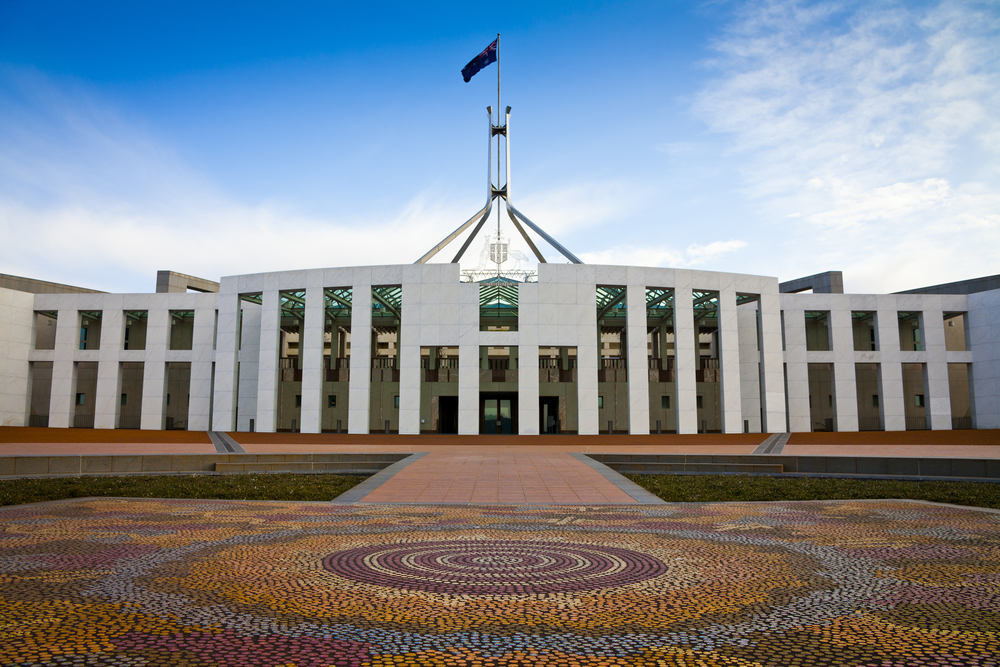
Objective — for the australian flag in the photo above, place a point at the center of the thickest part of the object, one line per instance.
(482, 60)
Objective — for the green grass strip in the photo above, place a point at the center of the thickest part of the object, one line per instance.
(321, 487)
(747, 488)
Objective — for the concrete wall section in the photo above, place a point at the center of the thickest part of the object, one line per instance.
(984, 334)
(16, 327)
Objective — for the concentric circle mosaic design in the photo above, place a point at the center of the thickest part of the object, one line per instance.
(196, 583)
(494, 567)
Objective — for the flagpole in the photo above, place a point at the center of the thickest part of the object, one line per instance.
(498, 155)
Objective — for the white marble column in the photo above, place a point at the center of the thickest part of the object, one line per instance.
(638, 365)
(311, 357)
(749, 366)
(361, 357)
(468, 359)
(527, 372)
(108, 384)
(938, 387)
(61, 405)
(773, 372)
(409, 357)
(845, 390)
(249, 365)
(797, 371)
(154, 370)
(984, 336)
(729, 361)
(686, 360)
(17, 320)
(224, 401)
(267, 370)
(203, 338)
(887, 337)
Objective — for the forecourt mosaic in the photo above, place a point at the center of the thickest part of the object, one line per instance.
(154, 582)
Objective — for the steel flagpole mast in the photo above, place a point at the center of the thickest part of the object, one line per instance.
(498, 155)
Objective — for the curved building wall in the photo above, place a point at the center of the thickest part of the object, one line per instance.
(783, 361)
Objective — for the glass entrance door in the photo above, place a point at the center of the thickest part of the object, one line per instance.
(498, 416)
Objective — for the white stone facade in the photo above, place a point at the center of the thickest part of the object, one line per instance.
(762, 349)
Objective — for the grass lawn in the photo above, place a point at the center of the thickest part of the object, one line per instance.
(226, 487)
(722, 488)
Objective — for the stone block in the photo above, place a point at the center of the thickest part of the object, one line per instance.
(126, 464)
(902, 466)
(97, 464)
(968, 467)
(31, 465)
(156, 464)
(64, 465)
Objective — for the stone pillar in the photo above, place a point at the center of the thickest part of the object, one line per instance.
(686, 355)
(938, 387)
(408, 348)
(249, 364)
(797, 372)
(361, 358)
(311, 358)
(749, 366)
(638, 366)
(108, 384)
(468, 359)
(845, 389)
(267, 370)
(154, 371)
(772, 373)
(63, 380)
(887, 339)
(202, 353)
(224, 401)
(729, 361)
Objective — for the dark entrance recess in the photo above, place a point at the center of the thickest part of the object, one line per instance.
(498, 413)
(448, 414)
(548, 415)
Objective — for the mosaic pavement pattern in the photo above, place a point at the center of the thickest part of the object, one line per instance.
(178, 582)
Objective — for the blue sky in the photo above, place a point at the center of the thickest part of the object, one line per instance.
(777, 138)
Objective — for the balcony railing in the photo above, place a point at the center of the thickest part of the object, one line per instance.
(916, 423)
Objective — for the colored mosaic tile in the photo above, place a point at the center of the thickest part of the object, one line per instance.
(206, 583)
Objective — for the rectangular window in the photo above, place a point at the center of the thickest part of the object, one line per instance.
(874, 400)
(331, 401)
(919, 400)
(83, 338)
(665, 402)
(831, 399)
(124, 398)
(168, 399)
(395, 402)
(298, 400)
(600, 402)
(80, 398)
(701, 402)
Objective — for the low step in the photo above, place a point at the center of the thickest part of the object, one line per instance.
(641, 468)
(290, 466)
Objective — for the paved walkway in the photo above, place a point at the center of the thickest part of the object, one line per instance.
(499, 477)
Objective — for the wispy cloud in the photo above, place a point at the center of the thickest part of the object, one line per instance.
(89, 198)
(868, 134)
(693, 255)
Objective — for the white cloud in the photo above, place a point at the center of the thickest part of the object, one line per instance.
(694, 255)
(868, 135)
(91, 199)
